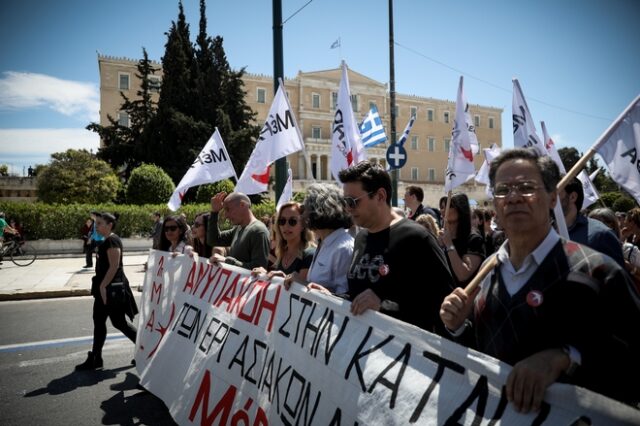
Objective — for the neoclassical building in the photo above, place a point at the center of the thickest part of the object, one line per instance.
(313, 97)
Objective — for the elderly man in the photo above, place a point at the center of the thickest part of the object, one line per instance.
(247, 243)
(547, 307)
(397, 266)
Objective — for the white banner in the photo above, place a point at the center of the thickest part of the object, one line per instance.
(211, 165)
(620, 150)
(464, 145)
(287, 191)
(524, 129)
(346, 145)
(483, 174)
(279, 137)
(219, 347)
(591, 194)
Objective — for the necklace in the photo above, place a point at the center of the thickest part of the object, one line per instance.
(288, 259)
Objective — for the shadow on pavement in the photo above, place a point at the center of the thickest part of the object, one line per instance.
(74, 380)
(140, 408)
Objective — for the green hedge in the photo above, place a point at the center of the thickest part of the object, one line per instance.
(63, 221)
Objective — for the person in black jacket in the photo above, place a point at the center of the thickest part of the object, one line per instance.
(109, 277)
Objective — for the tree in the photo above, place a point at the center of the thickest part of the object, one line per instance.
(569, 157)
(205, 192)
(4, 170)
(124, 147)
(76, 176)
(149, 184)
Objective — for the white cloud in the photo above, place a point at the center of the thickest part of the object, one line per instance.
(46, 141)
(23, 90)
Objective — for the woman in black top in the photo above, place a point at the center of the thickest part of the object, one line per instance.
(199, 235)
(464, 249)
(108, 270)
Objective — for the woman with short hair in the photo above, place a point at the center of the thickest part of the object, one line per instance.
(175, 236)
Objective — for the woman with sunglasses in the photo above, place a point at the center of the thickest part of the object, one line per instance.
(175, 237)
(199, 235)
(109, 271)
(294, 241)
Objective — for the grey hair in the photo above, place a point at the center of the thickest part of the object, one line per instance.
(238, 196)
(548, 169)
(325, 208)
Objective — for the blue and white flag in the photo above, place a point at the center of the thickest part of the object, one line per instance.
(371, 129)
(406, 132)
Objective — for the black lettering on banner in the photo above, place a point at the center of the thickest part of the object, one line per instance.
(276, 385)
(502, 405)
(209, 157)
(302, 403)
(269, 383)
(281, 330)
(403, 358)
(268, 376)
(631, 153)
(358, 355)
(240, 361)
(311, 327)
(337, 418)
(442, 364)
(481, 393)
(305, 303)
(337, 124)
(207, 334)
(256, 344)
(329, 346)
(545, 408)
(189, 326)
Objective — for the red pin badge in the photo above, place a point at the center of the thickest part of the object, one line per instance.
(534, 298)
(383, 269)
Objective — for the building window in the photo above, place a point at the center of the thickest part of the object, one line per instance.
(372, 104)
(123, 81)
(447, 142)
(354, 102)
(154, 84)
(432, 175)
(414, 143)
(123, 119)
(262, 96)
(476, 121)
(315, 100)
(414, 112)
(429, 115)
(334, 100)
(414, 173)
(446, 116)
(316, 132)
(432, 145)
(491, 122)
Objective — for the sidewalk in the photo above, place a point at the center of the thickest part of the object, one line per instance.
(59, 277)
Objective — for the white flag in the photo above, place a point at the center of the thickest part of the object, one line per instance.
(346, 145)
(211, 165)
(550, 146)
(621, 147)
(287, 191)
(464, 145)
(279, 137)
(524, 129)
(483, 174)
(590, 192)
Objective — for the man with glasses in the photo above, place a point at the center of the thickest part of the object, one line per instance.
(397, 267)
(546, 308)
(247, 243)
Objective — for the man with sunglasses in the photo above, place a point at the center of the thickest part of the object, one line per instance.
(397, 267)
(546, 308)
(247, 243)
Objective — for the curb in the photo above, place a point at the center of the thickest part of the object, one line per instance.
(44, 294)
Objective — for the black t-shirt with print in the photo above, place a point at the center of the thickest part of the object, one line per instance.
(404, 265)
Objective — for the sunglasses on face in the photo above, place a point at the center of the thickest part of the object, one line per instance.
(170, 228)
(526, 189)
(352, 203)
(292, 221)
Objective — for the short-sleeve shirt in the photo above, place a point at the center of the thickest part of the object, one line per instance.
(298, 263)
(102, 260)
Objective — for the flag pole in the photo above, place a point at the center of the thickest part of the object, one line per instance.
(446, 210)
(592, 151)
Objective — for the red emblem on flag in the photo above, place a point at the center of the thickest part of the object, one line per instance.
(383, 269)
(467, 153)
(350, 158)
(534, 298)
(263, 178)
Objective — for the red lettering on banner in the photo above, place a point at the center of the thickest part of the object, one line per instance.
(163, 330)
(152, 319)
(266, 305)
(252, 288)
(156, 289)
(228, 294)
(218, 276)
(189, 282)
(160, 267)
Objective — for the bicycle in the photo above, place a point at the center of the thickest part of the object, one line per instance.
(21, 253)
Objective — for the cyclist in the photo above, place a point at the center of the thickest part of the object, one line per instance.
(4, 227)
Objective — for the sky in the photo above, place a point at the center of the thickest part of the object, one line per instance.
(577, 61)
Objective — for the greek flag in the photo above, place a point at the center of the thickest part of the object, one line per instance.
(406, 132)
(371, 129)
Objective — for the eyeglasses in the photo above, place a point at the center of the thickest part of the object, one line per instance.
(526, 189)
(292, 221)
(171, 228)
(352, 203)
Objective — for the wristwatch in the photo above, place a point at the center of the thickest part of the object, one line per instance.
(573, 364)
(451, 248)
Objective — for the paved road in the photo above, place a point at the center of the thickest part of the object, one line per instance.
(40, 343)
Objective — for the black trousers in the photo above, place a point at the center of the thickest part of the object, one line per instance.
(100, 315)
(89, 250)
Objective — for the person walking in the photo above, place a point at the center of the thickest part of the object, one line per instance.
(109, 278)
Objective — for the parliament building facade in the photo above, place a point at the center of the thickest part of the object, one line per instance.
(313, 97)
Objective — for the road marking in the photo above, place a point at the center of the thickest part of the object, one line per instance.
(55, 343)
